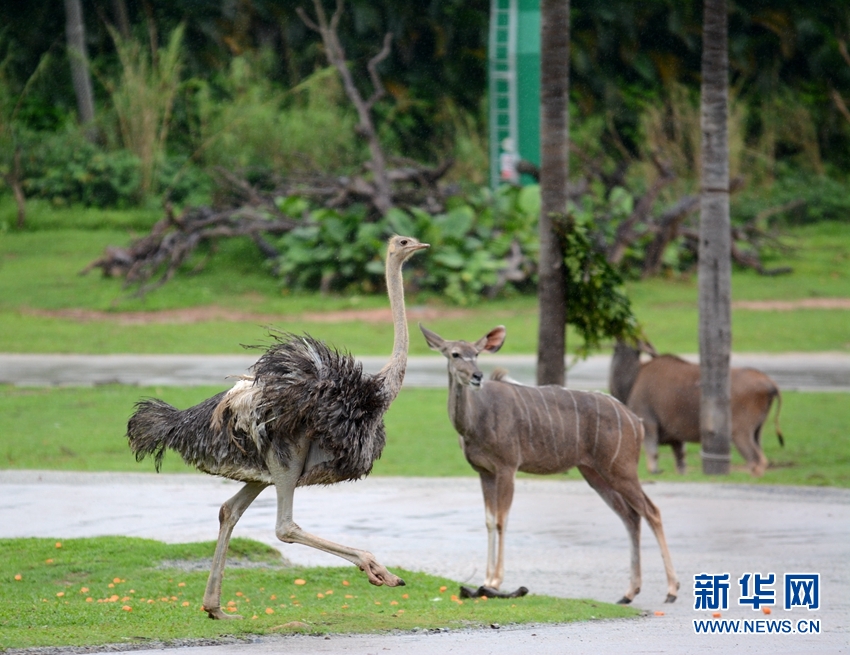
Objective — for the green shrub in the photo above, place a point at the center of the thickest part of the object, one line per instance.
(245, 121)
(339, 250)
(182, 181)
(472, 240)
(67, 169)
(810, 198)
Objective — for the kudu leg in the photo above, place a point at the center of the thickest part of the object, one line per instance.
(629, 488)
(498, 492)
(650, 445)
(748, 445)
(679, 453)
(631, 519)
(229, 514)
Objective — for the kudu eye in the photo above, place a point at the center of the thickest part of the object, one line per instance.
(455, 355)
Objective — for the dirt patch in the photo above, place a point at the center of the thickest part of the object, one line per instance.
(790, 305)
(214, 313)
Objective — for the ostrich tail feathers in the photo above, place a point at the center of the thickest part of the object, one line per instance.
(148, 429)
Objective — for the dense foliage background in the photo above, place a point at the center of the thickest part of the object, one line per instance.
(186, 88)
(625, 55)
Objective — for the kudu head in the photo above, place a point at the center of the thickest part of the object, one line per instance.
(463, 356)
(625, 366)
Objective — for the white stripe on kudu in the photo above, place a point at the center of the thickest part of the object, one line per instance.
(552, 437)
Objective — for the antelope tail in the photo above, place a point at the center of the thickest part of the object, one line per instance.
(776, 419)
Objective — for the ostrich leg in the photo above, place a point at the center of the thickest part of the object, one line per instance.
(228, 516)
(285, 479)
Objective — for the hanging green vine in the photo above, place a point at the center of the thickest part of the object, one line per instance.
(597, 304)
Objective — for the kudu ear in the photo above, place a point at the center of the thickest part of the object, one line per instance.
(435, 341)
(648, 348)
(492, 341)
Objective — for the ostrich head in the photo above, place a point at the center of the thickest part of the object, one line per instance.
(401, 248)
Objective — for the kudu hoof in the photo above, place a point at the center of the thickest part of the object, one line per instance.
(624, 601)
(670, 598)
(489, 592)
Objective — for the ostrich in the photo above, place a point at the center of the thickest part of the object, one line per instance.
(307, 415)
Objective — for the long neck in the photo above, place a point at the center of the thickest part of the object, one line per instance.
(393, 372)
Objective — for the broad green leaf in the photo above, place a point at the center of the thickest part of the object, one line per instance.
(401, 222)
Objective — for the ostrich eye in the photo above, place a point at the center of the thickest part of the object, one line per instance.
(403, 242)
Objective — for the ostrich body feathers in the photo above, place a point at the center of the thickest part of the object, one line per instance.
(299, 387)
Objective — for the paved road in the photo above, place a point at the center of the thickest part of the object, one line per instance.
(792, 371)
(562, 541)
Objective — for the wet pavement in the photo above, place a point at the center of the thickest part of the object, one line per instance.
(562, 540)
(791, 371)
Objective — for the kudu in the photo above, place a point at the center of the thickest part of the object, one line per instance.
(507, 427)
(665, 393)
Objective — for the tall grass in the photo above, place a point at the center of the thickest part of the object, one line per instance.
(671, 131)
(144, 97)
(246, 121)
(465, 141)
(758, 132)
(788, 124)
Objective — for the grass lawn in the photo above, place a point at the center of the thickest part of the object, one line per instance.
(120, 590)
(83, 429)
(39, 276)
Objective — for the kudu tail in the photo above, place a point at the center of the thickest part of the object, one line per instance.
(776, 419)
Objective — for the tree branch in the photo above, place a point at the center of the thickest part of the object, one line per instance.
(625, 231)
(377, 84)
(307, 20)
(839, 102)
(381, 197)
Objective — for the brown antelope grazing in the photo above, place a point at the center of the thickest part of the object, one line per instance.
(665, 393)
(507, 427)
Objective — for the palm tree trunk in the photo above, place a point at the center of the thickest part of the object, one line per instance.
(715, 328)
(75, 32)
(554, 169)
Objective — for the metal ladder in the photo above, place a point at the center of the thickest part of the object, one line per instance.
(502, 82)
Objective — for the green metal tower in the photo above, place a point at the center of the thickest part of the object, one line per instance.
(514, 86)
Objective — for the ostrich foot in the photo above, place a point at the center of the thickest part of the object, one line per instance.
(378, 574)
(216, 614)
